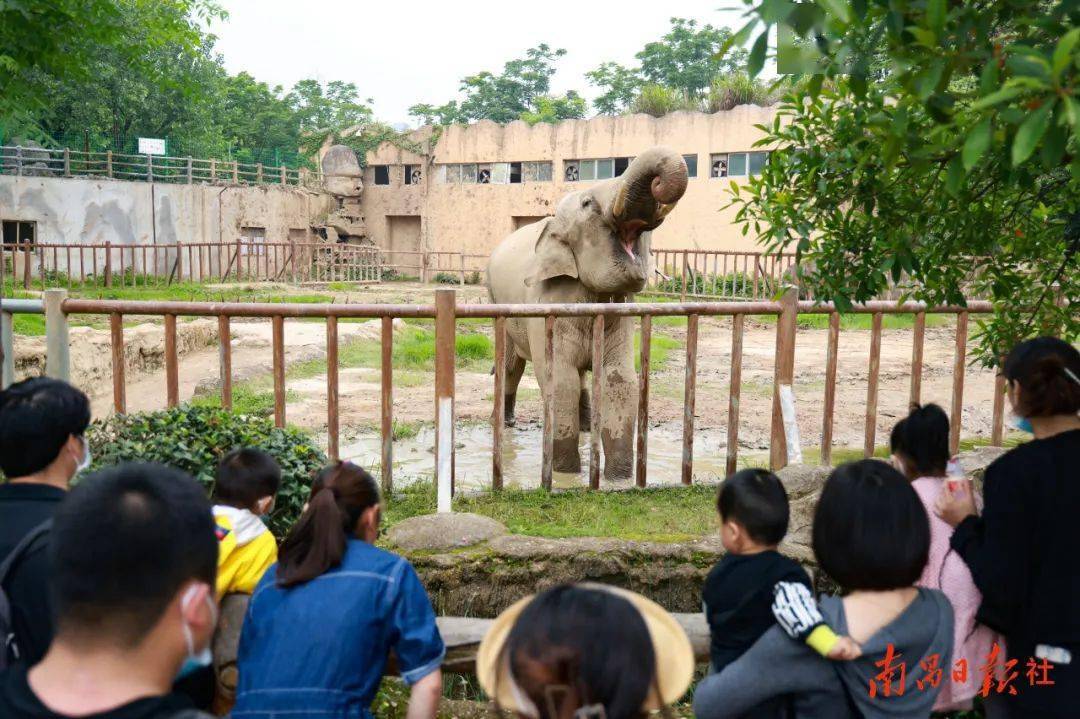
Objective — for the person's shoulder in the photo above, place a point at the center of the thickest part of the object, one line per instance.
(361, 556)
(16, 698)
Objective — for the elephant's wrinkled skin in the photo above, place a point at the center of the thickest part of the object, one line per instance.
(595, 249)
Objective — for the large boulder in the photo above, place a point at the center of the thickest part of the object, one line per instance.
(802, 479)
(341, 172)
(452, 530)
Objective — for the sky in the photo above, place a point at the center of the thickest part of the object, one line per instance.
(401, 52)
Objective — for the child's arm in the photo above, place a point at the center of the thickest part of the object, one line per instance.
(797, 614)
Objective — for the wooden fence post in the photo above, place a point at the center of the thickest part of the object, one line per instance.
(258, 173)
(108, 163)
(213, 170)
(236, 172)
(67, 162)
(284, 175)
(108, 263)
(57, 359)
(445, 329)
(149, 168)
(190, 171)
(784, 374)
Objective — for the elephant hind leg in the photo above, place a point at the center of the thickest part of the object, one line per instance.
(515, 368)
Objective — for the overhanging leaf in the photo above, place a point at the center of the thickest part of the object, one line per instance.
(1030, 132)
(996, 98)
(756, 59)
(976, 143)
(1063, 51)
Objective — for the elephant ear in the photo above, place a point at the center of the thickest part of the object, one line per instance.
(554, 258)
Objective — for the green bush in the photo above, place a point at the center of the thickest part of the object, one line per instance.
(194, 439)
(447, 278)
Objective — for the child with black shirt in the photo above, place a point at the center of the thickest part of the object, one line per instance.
(739, 592)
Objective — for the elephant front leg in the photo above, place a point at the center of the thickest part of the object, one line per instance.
(566, 396)
(617, 415)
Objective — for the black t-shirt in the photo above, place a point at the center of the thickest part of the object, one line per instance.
(1023, 550)
(738, 598)
(22, 508)
(18, 700)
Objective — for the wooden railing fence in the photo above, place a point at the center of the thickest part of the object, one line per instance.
(445, 312)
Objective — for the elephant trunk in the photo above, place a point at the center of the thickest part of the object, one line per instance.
(650, 187)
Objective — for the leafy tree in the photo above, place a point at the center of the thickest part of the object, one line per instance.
(676, 72)
(43, 44)
(957, 174)
(570, 106)
(515, 93)
(687, 57)
(621, 86)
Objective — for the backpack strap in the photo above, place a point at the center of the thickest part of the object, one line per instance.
(22, 547)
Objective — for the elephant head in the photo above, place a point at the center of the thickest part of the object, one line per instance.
(596, 235)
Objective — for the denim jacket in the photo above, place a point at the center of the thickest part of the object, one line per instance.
(319, 649)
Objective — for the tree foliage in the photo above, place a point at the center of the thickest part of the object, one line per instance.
(676, 72)
(520, 92)
(60, 39)
(956, 174)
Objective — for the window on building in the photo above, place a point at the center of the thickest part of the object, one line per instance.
(757, 162)
(493, 173)
(382, 174)
(691, 165)
(413, 175)
(738, 164)
(600, 169)
(19, 232)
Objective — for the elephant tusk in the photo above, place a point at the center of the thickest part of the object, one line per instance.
(619, 206)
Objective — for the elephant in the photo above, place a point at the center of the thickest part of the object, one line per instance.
(596, 248)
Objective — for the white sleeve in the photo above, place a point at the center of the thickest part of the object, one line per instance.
(795, 609)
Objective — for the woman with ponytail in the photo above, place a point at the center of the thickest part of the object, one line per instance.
(322, 622)
(1022, 551)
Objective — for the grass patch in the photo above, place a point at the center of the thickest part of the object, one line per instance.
(659, 350)
(862, 321)
(663, 514)
(248, 398)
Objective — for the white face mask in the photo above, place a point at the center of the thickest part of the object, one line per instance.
(84, 463)
(201, 659)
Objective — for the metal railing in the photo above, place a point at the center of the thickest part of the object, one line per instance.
(65, 162)
(721, 274)
(445, 312)
(119, 265)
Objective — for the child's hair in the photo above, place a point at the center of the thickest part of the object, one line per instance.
(871, 530)
(755, 498)
(575, 647)
(339, 495)
(244, 476)
(1048, 371)
(922, 440)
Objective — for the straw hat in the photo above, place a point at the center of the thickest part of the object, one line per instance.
(671, 647)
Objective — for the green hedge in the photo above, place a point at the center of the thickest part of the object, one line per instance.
(194, 439)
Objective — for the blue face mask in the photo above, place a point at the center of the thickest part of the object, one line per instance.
(195, 660)
(1021, 423)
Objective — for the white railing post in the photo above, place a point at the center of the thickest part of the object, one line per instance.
(445, 328)
(57, 359)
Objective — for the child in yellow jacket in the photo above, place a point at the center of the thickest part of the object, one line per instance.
(247, 482)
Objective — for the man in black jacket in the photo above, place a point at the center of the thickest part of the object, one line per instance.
(42, 446)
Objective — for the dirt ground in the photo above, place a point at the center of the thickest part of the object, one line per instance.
(414, 394)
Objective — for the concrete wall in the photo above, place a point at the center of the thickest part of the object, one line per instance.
(473, 218)
(95, 211)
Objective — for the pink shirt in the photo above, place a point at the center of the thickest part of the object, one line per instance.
(947, 571)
